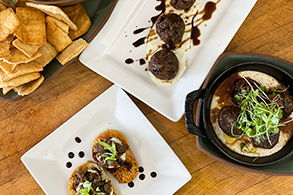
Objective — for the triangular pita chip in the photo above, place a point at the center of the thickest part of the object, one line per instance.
(28, 49)
(17, 57)
(48, 54)
(63, 26)
(8, 23)
(32, 29)
(72, 11)
(83, 23)
(29, 87)
(21, 69)
(20, 80)
(57, 37)
(73, 50)
(54, 11)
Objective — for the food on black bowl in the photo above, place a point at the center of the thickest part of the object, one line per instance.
(266, 122)
(170, 28)
(258, 114)
(182, 4)
(164, 64)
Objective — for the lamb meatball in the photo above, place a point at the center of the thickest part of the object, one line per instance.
(285, 100)
(182, 4)
(263, 142)
(227, 121)
(164, 64)
(170, 28)
(240, 85)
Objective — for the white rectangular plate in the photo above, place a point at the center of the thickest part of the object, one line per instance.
(113, 45)
(112, 110)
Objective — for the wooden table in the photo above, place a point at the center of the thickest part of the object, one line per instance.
(268, 30)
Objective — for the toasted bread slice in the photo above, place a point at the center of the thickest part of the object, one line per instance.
(95, 169)
(129, 170)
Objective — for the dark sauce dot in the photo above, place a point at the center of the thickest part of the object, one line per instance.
(142, 176)
(70, 155)
(81, 154)
(153, 174)
(129, 61)
(77, 139)
(141, 169)
(139, 42)
(141, 61)
(131, 184)
(68, 164)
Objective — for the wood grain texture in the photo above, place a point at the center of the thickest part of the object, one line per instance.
(268, 29)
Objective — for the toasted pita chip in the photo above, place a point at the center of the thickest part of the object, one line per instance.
(32, 28)
(6, 67)
(49, 53)
(57, 37)
(21, 69)
(9, 3)
(2, 7)
(17, 57)
(83, 23)
(5, 90)
(63, 26)
(29, 87)
(5, 46)
(54, 11)
(72, 11)
(20, 80)
(8, 23)
(73, 50)
(28, 49)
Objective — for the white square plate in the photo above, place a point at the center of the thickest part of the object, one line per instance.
(112, 110)
(113, 45)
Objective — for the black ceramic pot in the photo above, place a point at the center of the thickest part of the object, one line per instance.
(206, 129)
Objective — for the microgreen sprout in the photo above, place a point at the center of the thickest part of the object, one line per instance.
(112, 151)
(86, 188)
(244, 148)
(259, 115)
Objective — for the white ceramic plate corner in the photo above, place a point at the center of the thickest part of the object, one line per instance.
(112, 110)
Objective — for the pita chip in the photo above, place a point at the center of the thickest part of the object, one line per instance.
(63, 26)
(2, 7)
(5, 90)
(20, 80)
(72, 11)
(32, 28)
(48, 54)
(57, 37)
(17, 57)
(21, 69)
(54, 11)
(8, 23)
(73, 50)
(29, 87)
(28, 49)
(83, 23)
(5, 46)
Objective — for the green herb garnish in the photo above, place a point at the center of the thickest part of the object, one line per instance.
(109, 155)
(86, 188)
(259, 116)
(244, 148)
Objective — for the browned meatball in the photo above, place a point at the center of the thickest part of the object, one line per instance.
(164, 64)
(170, 28)
(227, 121)
(240, 85)
(263, 142)
(182, 4)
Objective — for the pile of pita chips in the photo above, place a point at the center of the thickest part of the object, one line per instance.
(31, 36)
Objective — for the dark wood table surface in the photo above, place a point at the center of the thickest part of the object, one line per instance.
(268, 29)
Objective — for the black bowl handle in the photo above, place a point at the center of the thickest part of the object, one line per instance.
(189, 101)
